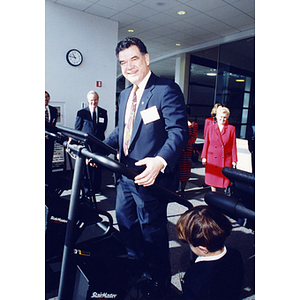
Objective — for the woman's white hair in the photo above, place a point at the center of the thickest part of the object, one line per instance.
(223, 110)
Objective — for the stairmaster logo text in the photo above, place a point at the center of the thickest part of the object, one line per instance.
(103, 296)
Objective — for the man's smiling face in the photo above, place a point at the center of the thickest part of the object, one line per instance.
(134, 65)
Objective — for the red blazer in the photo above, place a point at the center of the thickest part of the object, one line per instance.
(220, 151)
(208, 121)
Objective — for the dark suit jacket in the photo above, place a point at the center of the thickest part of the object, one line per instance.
(84, 122)
(53, 115)
(49, 143)
(220, 279)
(165, 137)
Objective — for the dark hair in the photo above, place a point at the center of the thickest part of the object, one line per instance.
(204, 226)
(130, 41)
(47, 93)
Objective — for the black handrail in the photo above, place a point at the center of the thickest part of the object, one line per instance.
(62, 134)
(117, 167)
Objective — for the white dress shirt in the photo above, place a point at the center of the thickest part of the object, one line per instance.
(139, 94)
(49, 114)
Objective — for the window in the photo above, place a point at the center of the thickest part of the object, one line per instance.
(224, 74)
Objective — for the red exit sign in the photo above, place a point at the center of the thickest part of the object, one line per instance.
(98, 83)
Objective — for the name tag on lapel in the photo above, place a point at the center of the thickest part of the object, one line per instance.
(150, 115)
(101, 120)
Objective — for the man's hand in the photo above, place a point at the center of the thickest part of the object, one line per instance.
(153, 167)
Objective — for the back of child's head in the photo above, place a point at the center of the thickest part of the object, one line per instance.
(204, 226)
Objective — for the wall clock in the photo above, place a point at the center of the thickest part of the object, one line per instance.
(74, 57)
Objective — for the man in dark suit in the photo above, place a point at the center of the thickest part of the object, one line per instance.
(51, 118)
(93, 120)
(158, 136)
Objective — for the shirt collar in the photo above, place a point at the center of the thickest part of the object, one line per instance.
(96, 109)
(142, 85)
(211, 258)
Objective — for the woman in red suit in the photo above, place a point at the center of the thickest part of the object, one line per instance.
(219, 150)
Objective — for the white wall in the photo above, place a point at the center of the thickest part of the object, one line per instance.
(96, 39)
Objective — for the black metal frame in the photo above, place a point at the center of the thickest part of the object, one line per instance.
(84, 140)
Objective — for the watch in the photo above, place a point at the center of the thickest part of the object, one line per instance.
(74, 57)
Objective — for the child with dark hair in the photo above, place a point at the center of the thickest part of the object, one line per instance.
(217, 273)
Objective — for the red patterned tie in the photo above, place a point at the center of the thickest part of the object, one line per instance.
(128, 130)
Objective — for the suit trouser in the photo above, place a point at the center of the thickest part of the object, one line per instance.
(142, 219)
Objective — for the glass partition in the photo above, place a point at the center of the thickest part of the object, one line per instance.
(224, 74)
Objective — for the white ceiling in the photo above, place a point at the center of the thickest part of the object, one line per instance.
(156, 22)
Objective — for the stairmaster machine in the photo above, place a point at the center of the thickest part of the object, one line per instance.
(90, 257)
